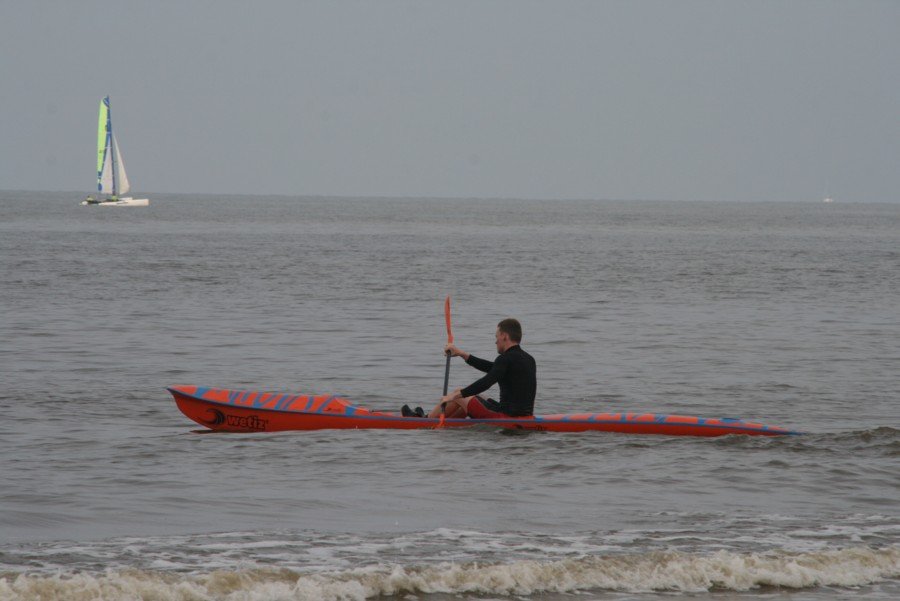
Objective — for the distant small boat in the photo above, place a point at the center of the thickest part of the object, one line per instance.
(828, 199)
(112, 181)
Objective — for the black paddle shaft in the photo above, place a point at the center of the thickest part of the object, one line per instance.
(447, 375)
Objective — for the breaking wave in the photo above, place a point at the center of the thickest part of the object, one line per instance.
(645, 572)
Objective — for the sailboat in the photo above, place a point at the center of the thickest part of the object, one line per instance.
(112, 181)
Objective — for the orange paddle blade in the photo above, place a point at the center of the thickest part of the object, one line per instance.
(447, 317)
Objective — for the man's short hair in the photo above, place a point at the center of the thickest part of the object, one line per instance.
(511, 327)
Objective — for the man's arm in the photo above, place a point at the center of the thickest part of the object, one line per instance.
(498, 368)
(479, 363)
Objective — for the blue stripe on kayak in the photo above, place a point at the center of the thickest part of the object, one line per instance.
(260, 400)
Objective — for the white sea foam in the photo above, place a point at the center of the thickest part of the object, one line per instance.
(658, 571)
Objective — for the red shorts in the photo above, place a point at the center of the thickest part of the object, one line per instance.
(479, 408)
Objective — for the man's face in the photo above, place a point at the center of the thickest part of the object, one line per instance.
(501, 338)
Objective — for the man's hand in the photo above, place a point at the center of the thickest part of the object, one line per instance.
(453, 396)
(453, 351)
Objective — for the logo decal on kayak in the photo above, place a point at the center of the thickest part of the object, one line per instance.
(250, 422)
(218, 418)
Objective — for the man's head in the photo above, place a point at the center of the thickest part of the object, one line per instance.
(509, 334)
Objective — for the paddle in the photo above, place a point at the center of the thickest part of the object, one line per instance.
(449, 341)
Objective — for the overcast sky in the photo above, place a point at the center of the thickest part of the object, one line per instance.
(701, 100)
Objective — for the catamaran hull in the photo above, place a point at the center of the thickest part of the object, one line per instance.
(248, 411)
(122, 202)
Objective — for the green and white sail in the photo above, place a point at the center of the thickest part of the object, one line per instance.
(111, 177)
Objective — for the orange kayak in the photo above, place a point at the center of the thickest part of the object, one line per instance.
(249, 411)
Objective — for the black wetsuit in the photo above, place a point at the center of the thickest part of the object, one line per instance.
(516, 373)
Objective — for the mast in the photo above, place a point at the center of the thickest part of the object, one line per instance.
(111, 146)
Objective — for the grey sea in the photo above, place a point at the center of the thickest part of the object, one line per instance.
(782, 313)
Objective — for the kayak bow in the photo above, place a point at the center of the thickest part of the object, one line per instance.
(249, 411)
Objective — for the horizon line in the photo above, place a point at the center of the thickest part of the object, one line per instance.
(453, 198)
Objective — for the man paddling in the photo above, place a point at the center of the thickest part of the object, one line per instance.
(513, 370)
